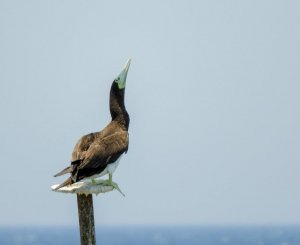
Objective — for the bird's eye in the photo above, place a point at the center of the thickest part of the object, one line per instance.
(117, 79)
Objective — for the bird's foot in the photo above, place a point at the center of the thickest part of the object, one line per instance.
(108, 183)
(99, 182)
(116, 186)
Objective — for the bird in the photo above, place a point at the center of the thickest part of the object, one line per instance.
(98, 154)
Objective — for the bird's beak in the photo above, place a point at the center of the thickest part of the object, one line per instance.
(121, 80)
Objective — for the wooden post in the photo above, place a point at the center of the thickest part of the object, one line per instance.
(84, 192)
(86, 219)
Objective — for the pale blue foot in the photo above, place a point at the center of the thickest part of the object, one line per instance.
(108, 182)
(116, 186)
(98, 181)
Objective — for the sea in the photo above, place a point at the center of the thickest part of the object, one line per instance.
(150, 235)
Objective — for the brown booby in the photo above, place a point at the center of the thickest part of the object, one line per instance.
(97, 154)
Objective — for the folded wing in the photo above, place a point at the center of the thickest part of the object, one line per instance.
(103, 151)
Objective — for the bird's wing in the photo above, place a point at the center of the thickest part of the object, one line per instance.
(79, 152)
(105, 150)
(82, 146)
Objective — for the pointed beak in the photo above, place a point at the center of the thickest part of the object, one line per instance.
(123, 75)
(126, 68)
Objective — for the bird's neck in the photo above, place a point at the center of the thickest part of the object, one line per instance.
(117, 107)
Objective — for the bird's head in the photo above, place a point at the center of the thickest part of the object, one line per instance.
(121, 79)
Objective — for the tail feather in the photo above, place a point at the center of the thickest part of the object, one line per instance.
(69, 181)
(64, 171)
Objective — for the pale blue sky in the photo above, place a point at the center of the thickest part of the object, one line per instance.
(212, 92)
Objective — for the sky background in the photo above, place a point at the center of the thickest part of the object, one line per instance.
(212, 92)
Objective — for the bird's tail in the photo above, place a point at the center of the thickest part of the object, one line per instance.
(64, 171)
(69, 181)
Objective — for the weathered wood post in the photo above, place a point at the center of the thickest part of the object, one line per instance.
(86, 219)
(85, 191)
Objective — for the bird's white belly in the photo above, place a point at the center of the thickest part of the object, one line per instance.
(110, 169)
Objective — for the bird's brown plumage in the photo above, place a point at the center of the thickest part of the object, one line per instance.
(90, 157)
(95, 151)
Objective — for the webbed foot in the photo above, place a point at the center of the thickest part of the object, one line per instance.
(108, 182)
